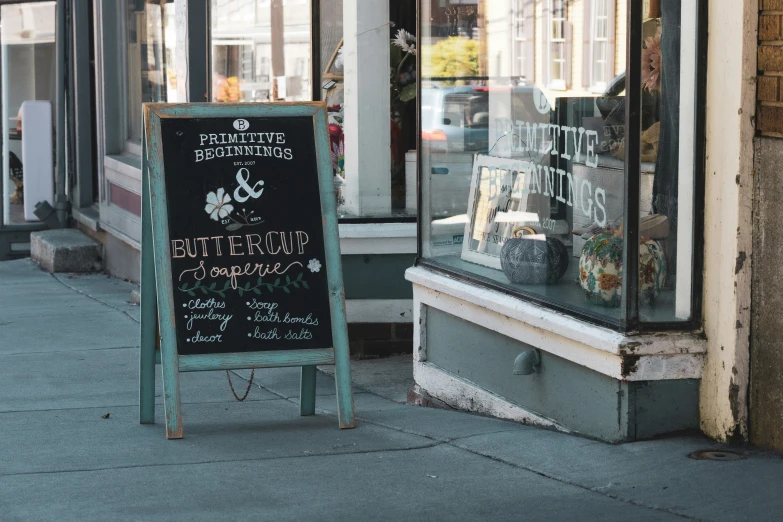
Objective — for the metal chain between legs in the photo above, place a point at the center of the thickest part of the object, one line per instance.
(231, 385)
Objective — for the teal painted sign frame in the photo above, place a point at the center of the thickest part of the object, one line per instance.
(157, 289)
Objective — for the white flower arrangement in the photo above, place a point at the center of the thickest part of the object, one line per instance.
(405, 41)
(218, 204)
(314, 265)
(339, 61)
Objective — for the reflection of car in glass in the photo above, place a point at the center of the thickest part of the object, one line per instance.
(455, 125)
(455, 119)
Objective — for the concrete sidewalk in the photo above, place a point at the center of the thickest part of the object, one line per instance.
(71, 447)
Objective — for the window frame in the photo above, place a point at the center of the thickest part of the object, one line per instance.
(559, 83)
(519, 39)
(119, 155)
(630, 322)
(14, 237)
(589, 71)
(131, 145)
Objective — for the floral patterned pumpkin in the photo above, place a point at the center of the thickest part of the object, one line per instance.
(652, 270)
(601, 269)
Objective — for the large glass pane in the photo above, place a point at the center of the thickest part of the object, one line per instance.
(151, 69)
(261, 50)
(27, 93)
(523, 176)
(361, 195)
(667, 195)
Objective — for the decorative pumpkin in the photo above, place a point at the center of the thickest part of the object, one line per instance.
(601, 269)
(652, 270)
(529, 261)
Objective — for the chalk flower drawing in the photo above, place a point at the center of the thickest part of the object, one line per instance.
(314, 265)
(218, 205)
(218, 208)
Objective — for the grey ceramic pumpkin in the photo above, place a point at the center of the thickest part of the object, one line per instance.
(529, 261)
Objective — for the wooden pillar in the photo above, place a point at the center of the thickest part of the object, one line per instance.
(192, 54)
(367, 117)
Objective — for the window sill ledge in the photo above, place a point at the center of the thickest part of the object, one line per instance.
(377, 238)
(127, 164)
(88, 217)
(659, 356)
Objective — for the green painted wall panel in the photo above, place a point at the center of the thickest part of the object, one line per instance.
(576, 397)
(377, 276)
(665, 407)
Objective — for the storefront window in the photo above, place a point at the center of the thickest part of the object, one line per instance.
(151, 45)
(261, 50)
(371, 194)
(524, 177)
(27, 95)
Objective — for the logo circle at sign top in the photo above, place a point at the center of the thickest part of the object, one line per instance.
(241, 124)
(540, 101)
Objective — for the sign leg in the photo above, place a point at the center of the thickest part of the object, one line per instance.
(342, 379)
(307, 391)
(149, 307)
(147, 356)
(172, 404)
(342, 363)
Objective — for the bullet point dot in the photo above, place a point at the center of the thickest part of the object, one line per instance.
(184, 305)
(247, 303)
(250, 335)
(188, 340)
(186, 317)
(249, 318)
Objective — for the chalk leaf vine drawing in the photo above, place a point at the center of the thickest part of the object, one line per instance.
(260, 285)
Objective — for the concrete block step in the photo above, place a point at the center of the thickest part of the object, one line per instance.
(66, 250)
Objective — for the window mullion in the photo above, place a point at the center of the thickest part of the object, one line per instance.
(633, 107)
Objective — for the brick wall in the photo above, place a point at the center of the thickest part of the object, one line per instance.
(371, 340)
(769, 113)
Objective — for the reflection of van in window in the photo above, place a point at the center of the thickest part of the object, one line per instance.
(456, 124)
(455, 119)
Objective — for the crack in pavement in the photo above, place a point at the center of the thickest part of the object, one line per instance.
(157, 403)
(220, 461)
(81, 350)
(124, 312)
(590, 489)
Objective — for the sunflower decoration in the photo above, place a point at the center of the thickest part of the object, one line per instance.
(651, 63)
(403, 66)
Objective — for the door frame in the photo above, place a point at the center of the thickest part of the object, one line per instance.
(74, 44)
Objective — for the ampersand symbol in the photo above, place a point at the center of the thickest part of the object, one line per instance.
(243, 175)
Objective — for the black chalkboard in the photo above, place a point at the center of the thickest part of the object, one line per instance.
(246, 235)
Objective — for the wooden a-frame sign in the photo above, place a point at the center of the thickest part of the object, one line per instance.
(240, 249)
